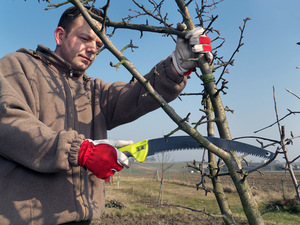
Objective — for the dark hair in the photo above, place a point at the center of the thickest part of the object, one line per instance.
(67, 18)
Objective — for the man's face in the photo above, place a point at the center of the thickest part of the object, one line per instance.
(79, 46)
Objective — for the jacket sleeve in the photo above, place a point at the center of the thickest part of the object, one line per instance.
(125, 102)
(24, 139)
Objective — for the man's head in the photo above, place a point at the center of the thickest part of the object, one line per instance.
(76, 42)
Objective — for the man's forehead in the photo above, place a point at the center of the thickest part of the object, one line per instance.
(80, 21)
(80, 24)
(98, 24)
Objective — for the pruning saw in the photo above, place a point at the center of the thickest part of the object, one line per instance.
(142, 149)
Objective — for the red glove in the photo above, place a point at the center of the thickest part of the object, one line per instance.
(102, 159)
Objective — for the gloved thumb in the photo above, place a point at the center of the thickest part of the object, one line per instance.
(122, 159)
(122, 143)
(113, 142)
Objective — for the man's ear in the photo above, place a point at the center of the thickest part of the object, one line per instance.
(59, 35)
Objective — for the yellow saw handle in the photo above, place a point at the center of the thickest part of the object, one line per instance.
(137, 150)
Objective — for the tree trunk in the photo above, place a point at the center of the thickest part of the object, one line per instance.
(249, 205)
(213, 169)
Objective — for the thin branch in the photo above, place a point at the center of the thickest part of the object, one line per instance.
(290, 113)
(276, 112)
(157, 8)
(190, 94)
(295, 159)
(167, 29)
(257, 137)
(265, 164)
(240, 44)
(293, 93)
(194, 210)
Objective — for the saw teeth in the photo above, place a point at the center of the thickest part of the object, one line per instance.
(188, 143)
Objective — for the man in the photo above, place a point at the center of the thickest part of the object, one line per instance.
(51, 170)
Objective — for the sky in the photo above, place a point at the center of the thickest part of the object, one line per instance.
(267, 60)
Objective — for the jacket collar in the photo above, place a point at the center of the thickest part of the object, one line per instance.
(51, 58)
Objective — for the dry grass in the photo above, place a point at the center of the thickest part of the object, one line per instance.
(139, 194)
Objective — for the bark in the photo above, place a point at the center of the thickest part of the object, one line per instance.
(289, 165)
(213, 168)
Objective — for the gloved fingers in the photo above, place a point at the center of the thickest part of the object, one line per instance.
(97, 142)
(112, 142)
(201, 48)
(122, 159)
(181, 26)
(209, 57)
(194, 32)
(204, 49)
(203, 39)
(200, 43)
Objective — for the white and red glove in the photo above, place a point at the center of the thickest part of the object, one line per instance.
(102, 158)
(195, 42)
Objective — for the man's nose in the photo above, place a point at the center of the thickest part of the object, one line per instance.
(92, 47)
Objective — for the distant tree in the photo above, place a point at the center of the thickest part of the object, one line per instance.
(283, 142)
(165, 164)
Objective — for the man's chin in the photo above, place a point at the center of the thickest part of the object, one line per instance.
(82, 67)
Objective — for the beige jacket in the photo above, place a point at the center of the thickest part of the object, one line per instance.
(46, 110)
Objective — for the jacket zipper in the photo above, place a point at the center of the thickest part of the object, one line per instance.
(80, 169)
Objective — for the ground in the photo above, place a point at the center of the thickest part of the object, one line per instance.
(264, 187)
(177, 219)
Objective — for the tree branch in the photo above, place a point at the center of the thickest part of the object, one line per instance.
(184, 126)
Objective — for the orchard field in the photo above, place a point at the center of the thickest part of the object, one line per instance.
(132, 197)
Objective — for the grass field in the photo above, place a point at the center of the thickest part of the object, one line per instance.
(132, 197)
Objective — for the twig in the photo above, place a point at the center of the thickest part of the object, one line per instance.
(276, 113)
(265, 164)
(290, 113)
(257, 137)
(295, 159)
(240, 44)
(190, 94)
(139, 27)
(201, 10)
(194, 210)
(293, 93)
(157, 8)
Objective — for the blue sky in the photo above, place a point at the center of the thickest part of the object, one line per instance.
(268, 59)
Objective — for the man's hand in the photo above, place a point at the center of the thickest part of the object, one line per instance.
(195, 42)
(102, 158)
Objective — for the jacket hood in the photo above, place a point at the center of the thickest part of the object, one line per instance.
(51, 58)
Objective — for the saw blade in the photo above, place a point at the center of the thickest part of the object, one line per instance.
(186, 142)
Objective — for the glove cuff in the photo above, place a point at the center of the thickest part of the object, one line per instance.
(84, 152)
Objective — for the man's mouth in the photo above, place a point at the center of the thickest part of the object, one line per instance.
(86, 58)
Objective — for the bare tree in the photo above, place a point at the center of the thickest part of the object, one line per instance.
(282, 149)
(165, 164)
(283, 142)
